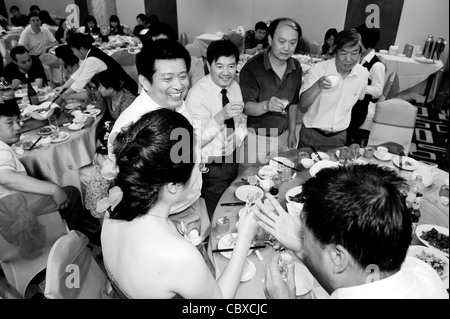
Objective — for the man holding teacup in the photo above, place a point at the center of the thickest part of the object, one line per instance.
(329, 92)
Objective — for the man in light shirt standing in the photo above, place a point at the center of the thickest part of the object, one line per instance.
(328, 107)
(215, 104)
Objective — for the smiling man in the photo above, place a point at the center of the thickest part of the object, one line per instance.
(265, 81)
(215, 102)
(163, 67)
(329, 107)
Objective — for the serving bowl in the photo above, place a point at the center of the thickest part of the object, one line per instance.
(42, 111)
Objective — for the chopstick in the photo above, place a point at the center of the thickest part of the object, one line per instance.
(285, 165)
(315, 152)
(233, 204)
(231, 249)
(34, 144)
(57, 96)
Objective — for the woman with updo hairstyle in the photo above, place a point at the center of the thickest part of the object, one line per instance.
(145, 254)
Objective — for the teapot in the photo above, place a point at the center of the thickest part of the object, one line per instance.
(428, 177)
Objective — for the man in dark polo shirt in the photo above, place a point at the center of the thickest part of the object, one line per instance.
(23, 64)
(265, 81)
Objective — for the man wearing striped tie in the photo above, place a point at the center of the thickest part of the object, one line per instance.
(215, 105)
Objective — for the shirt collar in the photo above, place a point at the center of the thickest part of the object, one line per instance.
(217, 90)
(333, 69)
(368, 57)
(32, 32)
(268, 66)
(147, 100)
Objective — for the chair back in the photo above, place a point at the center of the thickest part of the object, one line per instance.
(20, 271)
(72, 272)
(193, 50)
(391, 87)
(394, 121)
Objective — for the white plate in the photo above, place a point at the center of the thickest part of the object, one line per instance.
(75, 127)
(224, 244)
(424, 228)
(251, 272)
(386, 158)
(279, 167)
(324, 156)
(415, 250)
(411, 166)
(92, 112)
(321, 164)
(46, 130)
(72, 106)
(62, 137)
(242, 191)
(303, 279)
(292, 192)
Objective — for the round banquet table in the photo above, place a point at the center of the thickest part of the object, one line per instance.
(433, 212)
(52, 162)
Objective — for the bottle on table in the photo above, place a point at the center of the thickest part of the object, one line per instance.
(32, 95)
(414, 199)
(7, 94)
(428, 47)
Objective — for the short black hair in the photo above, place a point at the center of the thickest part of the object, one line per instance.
(20, 49)
(221, 48)
(109, 80)
(261, 25)
(162, 49)
(153, 18)
(33, 14)
(16, 8)
(288, 21)
(65, 53)
(369, 36)
(79, 40)
(159, 28)
(347, 37)
(141, 16)
(9, 110)
(34, 8)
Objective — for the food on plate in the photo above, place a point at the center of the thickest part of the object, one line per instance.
(27, 145)
(55, 136)
(296, 198)
(25, 116)
(435, 262)
(436, 239)
(45, 130)
(231, 241)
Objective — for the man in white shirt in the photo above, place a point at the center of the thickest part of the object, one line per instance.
(355, 243)
(328, 107)
(163, 68)
(215, 104)
(377, 70)
(35, 38)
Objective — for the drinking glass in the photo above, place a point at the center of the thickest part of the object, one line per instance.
(286, 171)
(286, 103)
(53, 122)
(202, 166)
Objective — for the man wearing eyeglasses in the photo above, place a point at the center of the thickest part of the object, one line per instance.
(328, 104)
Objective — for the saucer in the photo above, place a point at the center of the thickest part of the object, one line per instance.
(75, 127)
(386, 158)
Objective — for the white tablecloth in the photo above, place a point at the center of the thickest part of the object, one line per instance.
(204, 40)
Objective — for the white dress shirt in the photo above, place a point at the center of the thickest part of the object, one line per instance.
(88, 68)
(142, 105)
(415, 280)
(331, 111)
(376, 75)
(203, 102)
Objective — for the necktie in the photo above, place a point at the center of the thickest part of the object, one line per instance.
(230, 122)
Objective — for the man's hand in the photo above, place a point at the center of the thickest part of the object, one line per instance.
(16, 84)
(292, 141)
(60, 198)
(232, 109)
(275, 105)
(324, 83)
(274, 285)
(286, 228)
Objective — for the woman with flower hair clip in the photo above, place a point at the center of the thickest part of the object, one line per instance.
(145, 254)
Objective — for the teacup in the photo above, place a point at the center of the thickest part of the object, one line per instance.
(368, 152)
(79, 119)
(268, 171)
(307, 162)
(382, 151)
(266, 184)
(334, 80)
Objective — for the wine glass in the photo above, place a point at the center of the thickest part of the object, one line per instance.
(286, 103)
(53, 122)
(202, 166)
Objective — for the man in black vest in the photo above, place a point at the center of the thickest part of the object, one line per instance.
(377, 70)
(93, 62)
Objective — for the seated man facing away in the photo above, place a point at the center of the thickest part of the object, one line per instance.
(25, 193)
(256, 41)
(354, 242)
(36, 39)
(24, 66)
(328, 105)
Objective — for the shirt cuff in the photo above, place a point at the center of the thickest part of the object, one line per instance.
(242, 133)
